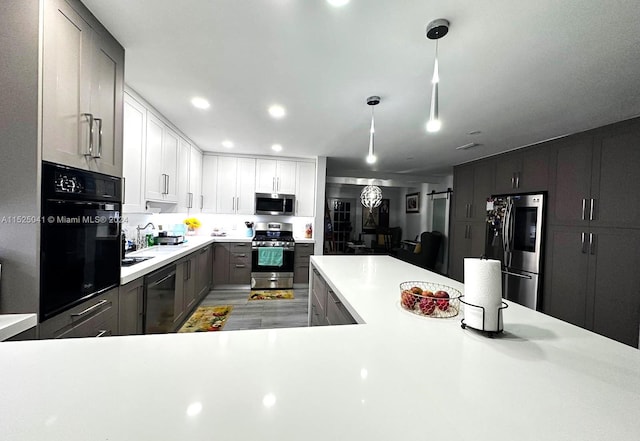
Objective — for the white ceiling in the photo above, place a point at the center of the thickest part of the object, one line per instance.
(518, 71)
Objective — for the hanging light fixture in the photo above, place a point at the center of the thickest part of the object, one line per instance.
(435, 31)
(371, 196)
(372, 101)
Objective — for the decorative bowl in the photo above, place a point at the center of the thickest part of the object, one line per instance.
(428, 299)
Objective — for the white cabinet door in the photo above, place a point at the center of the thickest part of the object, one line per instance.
(134, 139)
(266, 175)
(155, 182)
(170, 164)
(66, 101)
(184, 152)
(305, 188)
(227, 174)
(209, 183)
(286, 177)
(245, 186)
(195, 181)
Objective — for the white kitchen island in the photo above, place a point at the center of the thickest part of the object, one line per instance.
(395, 376)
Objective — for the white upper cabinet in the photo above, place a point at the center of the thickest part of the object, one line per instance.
(195, 181)
(133, 163)
(305, 189)
(83, 83)
(209, 184)
(273, 176)
(170, 164)
(184, 162)
(154, 178)
(236, 185)
(162, 161)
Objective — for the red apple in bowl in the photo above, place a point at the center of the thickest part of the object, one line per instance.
(442, 300)
(427, 306)
(408, 299)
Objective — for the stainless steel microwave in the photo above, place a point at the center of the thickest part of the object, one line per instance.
(275, 204)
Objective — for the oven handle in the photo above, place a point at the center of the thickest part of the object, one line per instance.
(100, 205)
(90, 308)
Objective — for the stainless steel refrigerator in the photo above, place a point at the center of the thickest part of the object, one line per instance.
(515, 231)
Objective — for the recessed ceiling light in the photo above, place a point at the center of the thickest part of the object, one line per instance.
(200, 103)
(276, 147)
(277, 111)
(337, 3)
(467, 146)
(227, 144)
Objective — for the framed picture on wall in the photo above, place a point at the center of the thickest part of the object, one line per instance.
(412, 203)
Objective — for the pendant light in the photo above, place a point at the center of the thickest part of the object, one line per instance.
(435, 31)
(371, 157)
(371, 197)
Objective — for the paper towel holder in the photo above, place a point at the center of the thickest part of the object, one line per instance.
(485, 329)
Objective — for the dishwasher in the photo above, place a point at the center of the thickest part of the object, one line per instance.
(159, 300)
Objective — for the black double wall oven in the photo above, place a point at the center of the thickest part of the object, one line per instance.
(80, 237)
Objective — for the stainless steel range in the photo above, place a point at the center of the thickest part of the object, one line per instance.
(272, 256)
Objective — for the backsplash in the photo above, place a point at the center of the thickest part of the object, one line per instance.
(231, 224)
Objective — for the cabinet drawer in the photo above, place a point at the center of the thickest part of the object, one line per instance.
(303, 252)
(101, 310)
(337, 314)
(240, 247)
(239, 274)
(241, 258)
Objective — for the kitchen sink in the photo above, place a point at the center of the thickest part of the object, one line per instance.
(128, 261)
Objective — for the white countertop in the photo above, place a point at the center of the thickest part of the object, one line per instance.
(399, 376)
(165, 254)
(14, 324)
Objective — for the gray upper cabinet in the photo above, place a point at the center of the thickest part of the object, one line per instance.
(615, 179)
(473, 184)
(83, 87)
(571, 192)
(595, 175)
(523, 171)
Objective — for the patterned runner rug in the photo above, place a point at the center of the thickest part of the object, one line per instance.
(207, 318)
(271, 294)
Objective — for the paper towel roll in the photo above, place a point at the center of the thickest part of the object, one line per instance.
(483, 287)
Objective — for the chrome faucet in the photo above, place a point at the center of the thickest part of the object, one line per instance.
(139, 242)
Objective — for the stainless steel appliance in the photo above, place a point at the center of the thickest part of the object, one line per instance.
(515, 236)
(275, 204)
(159, 300)
(170, 240)
(80, 237)
(265, 274)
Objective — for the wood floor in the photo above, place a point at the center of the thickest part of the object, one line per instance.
(260, 314)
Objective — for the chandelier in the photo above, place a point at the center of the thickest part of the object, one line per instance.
(371, 196)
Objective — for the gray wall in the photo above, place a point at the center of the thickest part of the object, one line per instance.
(19, 155)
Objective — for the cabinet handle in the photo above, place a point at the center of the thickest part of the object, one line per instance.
(190, 198)
(296, 207)
(583, 242)
(90, 147)
(241, 255)
(278, 181)
(241, 244)
(593, 203)
(124, 188)
(201, 201)
(513, 180)
(99, 155)
(273, 183)
(168, 177)
(241, 266)
(470, 210)
(592, 244)
(517, 179)
(238, 203)
(90, 308)
(584, 207)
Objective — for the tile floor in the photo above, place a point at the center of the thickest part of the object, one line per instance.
(260, 314)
